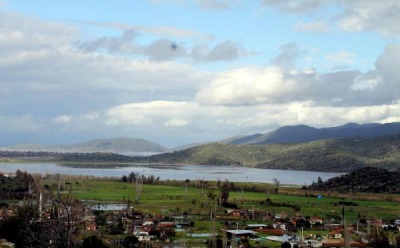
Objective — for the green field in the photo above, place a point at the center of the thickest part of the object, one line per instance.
(165, 200)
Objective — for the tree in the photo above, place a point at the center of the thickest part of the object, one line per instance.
(60, 230)
(93, 242)
(124, 179)
(225, 192)
(397, 241)
(211, 195)
(187, 181)
(277, 184)
(130, 241)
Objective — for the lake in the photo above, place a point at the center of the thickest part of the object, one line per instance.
(176, 172)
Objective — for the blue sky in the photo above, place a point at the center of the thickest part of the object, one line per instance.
(259, 28)
(199, 70)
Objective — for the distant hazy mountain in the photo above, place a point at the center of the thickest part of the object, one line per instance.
(117, 145)
(28, 146)
(303, 133)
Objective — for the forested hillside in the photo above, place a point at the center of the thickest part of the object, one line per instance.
(323, 155)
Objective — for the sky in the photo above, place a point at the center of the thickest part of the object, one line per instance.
(186, 71)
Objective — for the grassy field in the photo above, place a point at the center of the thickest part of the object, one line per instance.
(164, 200)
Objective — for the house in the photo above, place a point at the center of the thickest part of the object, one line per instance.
(90, 218)
(47, 215)
(313, 243)
(166, 224)
(90, 227)
(148, 223)
(236, 213)
(316, 220)
(279, 225)
(271, 231)
(335, 234)
(143, 236)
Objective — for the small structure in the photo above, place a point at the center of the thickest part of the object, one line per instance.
(90, 227)
(242, 234)
(144, 236)
(256, 226)
(166, 224)
(279, 225)
(292, 239)
(316, 220)
(335, 234)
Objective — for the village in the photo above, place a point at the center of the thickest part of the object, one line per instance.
(193, 222)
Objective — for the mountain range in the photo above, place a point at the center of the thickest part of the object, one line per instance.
(284, 135)
(335, 155)
(117, 145)
(303, 133)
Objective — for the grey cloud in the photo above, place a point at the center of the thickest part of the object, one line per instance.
(371, 15)
(224, 51)
(354, 15)
(117, 45)
(288, 54)
(166, 49)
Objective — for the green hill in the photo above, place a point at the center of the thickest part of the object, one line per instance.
(369, 179)
(340, 155)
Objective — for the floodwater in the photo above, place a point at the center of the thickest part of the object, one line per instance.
(175, 172)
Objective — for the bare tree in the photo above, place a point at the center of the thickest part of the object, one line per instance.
(139, 188)
(59, 228)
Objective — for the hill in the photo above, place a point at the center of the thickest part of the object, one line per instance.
(114, 145)
(28, 147)
(183, 147)
(339, 155)
(369, 179)
(303, 133)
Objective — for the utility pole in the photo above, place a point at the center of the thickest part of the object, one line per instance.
(40, 205)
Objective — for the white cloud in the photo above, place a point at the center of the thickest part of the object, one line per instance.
(63, 119)
(176, 123)
(247, 86)
(342, 57)
(312, 27)
(368, 83)
(115, 96)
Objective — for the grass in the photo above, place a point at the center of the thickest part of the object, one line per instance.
(165, 200)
